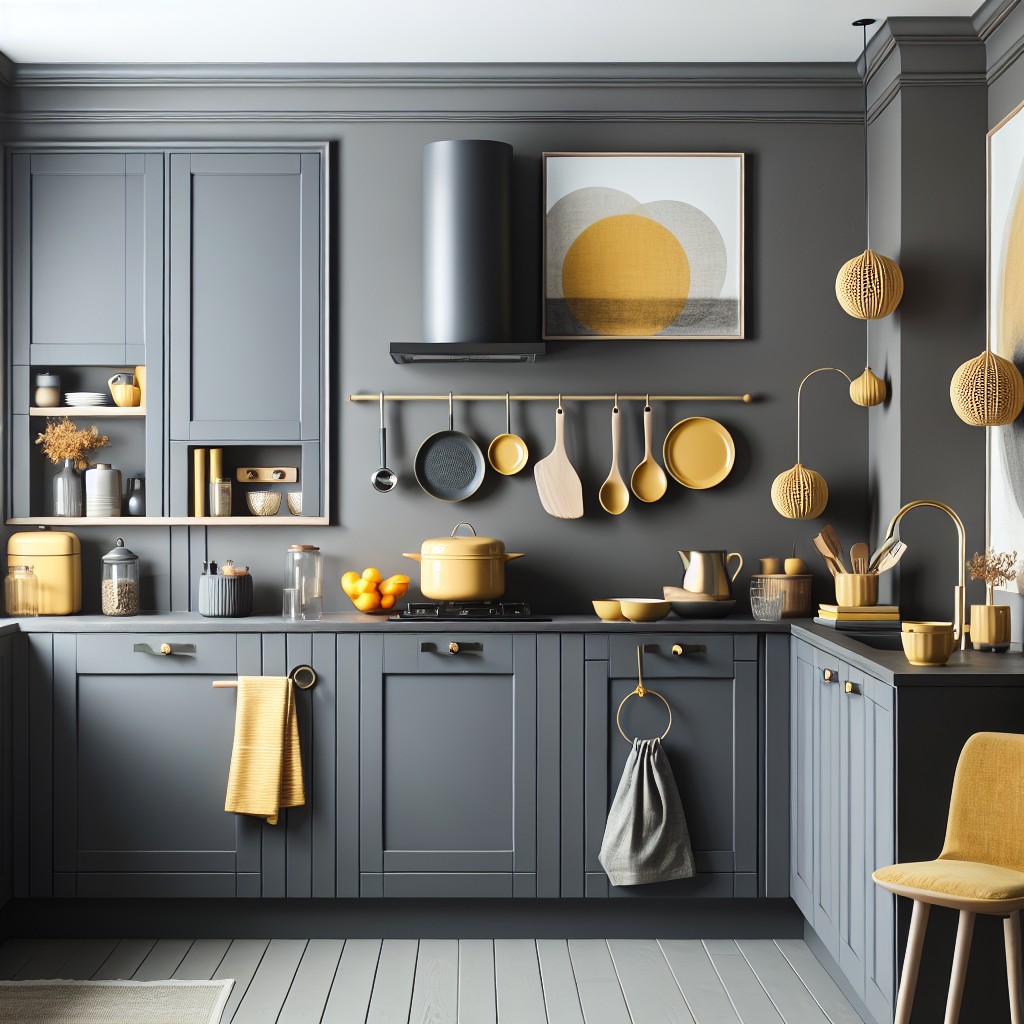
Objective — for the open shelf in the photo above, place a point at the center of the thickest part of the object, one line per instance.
(277, 520)
(88, 410)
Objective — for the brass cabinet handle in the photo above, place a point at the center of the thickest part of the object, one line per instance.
(677, 650)
(680, 650)
(829, 676)
(164, 649)
(852, 688)
(453, 647)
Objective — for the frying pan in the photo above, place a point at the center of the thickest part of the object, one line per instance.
(449, 464)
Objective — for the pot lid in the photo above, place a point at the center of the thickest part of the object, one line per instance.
(119, 554)
(462, 546)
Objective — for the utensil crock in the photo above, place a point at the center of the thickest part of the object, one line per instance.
(856, 589)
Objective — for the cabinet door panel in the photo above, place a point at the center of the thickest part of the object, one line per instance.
(802, 825)
(825, 773)
(246, 308)
(854, 717)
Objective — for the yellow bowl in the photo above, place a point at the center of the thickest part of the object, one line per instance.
(644, 609)
(608, 611)
(927, 643)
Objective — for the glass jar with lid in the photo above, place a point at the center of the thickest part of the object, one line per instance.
(21, 591)
(120, 587)
(47, 394)
(304, 573)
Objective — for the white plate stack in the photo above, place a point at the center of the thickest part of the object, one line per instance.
(86, 398)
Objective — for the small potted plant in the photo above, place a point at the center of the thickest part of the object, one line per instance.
(64, 441)
(990, 622)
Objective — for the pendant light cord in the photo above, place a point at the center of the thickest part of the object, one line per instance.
(867, 214)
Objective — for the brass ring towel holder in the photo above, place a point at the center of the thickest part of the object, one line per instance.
(302, 676)
(642, 691)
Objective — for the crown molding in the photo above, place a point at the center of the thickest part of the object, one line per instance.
(8, 70)
(546, 76)
(990, 15)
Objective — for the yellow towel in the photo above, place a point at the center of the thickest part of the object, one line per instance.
(266, 764)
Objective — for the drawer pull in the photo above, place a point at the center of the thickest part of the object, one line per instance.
(452, 648)
(851, 688)
(829, 675)
(164, 649)
(679, 650)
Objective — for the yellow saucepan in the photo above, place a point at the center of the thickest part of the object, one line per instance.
(462, 568)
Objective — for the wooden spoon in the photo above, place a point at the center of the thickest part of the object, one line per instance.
(614, 494)
(859, 555)
(648, 481)
(831, 539)
(558, 484)
(823, 550)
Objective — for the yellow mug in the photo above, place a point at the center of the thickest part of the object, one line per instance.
(124, 395)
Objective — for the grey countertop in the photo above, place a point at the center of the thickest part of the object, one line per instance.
(354, 622)
(892, 666)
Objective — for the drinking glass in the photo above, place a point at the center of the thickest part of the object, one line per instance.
(290, 609)
(765, 602)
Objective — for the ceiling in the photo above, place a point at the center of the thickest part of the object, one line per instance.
(343, 31)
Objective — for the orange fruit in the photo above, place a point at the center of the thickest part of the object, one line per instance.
(396, 585)
(387, 601)
(368, 601)
(373, 575)
(348, 583)
(364, 586)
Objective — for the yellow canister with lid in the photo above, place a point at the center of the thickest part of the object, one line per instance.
(56, 559)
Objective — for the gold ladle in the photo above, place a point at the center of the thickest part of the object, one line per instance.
(648, 481)
(614, 494)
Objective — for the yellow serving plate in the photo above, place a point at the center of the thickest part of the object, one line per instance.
(699, 452)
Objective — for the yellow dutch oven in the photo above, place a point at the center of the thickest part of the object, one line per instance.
(462, 568)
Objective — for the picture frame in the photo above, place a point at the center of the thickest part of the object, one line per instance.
(1004, 449)
(643, 246)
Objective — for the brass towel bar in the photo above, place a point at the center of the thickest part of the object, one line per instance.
(300, 672)
(375, 397)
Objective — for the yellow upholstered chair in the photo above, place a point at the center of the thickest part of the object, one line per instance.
(980, 869)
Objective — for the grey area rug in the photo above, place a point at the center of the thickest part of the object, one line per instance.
(113, 1002)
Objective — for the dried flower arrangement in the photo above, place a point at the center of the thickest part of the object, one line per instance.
(63, 439)
(993, 569)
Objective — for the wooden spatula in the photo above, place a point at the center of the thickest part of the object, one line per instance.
(831, 539)
(558, 484)
(822, 549)
(859, 555)
(891, 557)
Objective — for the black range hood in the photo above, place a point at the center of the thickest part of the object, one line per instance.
(467, 246)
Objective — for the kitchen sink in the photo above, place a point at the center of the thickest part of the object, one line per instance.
(878, 641)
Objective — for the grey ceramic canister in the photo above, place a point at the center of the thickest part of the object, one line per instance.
(102, 490)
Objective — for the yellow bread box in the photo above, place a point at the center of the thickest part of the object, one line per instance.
(56, 559)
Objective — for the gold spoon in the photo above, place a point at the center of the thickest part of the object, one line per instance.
(648, 481)
(614, 494)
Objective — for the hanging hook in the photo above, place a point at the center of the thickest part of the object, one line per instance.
(559, 405)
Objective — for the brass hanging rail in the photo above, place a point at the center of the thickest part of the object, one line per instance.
(375, 397)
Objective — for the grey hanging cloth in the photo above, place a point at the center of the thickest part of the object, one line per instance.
(646, 838)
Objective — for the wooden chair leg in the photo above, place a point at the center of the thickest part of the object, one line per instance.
(912, 962)
(1011, 934)
(958, 975)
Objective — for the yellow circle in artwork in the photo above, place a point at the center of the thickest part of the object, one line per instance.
(626, 275)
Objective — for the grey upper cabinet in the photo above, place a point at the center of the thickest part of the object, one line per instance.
(247, 306)
(448, 764)
(712, 748)
(87, 252)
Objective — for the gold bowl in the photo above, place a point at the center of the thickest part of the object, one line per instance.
(927, 643)
(644, 609)
(263, 503)
(295, 502)
(608, 611)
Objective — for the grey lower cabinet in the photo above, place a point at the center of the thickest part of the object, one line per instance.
(842, 817)
(448, 763)
(710, 682)
(137, 765)
(6, 768)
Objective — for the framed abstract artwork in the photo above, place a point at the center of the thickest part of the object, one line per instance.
(643, 245)
(1005, 448)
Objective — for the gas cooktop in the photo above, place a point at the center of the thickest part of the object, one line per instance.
(455, 611)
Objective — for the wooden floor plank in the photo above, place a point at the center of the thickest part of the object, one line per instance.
(271, 983)
(748, 997)
(787, 991)
(313, 980)
(202, 960)
(701, 986)
(49, 959)
(240, 962)
(125, 960)
(477, 1000)
(15, 953)
(561, 997)
(435, 989)
(392, 988)
(818, 981)
(720, 946)
(600, 993)
(349, 1000)
(90, 956)
(517, 982)
(163, 960)
(647, 982)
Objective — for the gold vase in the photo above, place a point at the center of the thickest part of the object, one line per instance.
(990, 627)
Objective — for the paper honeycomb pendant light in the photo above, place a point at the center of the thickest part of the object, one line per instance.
(987, 391)
(869, 286)
(799, 493)
(868, 389)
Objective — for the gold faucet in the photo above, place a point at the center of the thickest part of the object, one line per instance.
(960, 592)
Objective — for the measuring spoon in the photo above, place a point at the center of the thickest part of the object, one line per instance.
(507, 453)
(383, 479)
(648, 481)
(614, 494)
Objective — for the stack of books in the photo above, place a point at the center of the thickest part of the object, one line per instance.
(866, 619)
